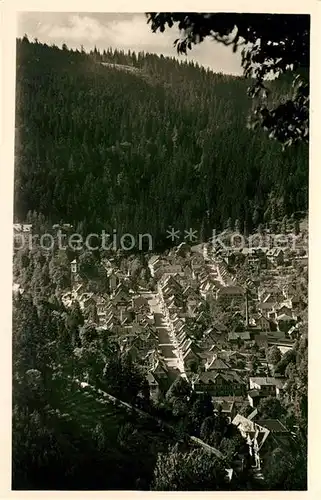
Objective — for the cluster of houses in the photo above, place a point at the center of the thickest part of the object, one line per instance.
(267, 249)
(169, 328)
(211, 364)
(122, 313)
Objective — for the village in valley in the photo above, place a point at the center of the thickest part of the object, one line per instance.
(223, 319)
(160, 256)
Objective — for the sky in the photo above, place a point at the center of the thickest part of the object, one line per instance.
(121, 31)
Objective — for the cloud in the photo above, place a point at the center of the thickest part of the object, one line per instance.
(129, 31)
(77, 29)
(120, 33)
(137, 32)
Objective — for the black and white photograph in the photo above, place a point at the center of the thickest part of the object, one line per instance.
(160, 243)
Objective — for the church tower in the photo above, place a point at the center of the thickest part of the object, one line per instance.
(73, 272)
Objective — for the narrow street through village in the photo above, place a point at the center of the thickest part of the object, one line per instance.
(166, 344)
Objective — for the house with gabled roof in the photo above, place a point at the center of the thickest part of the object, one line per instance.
(179, 341)
(181, 330)
(212, 337)
(206, 353)
(159, 369)
(216, 363)
(171, 283)
(219, 383)
(189, 293)
(239, 336)
(260, 321)
(175, 301)
(266, 307)
(219, 327)
(189, 355)
(227, 407)
(254, 434)
(112, 323)
(178, 323)
(275, 294)
(268, 385)
(227, 294)
(203, 275)
(273, 425)
(262, 436)
(187, 344)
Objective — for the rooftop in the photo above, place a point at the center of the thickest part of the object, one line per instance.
(267, 381)
(273, 425)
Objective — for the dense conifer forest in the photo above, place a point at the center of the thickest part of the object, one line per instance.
(159, 143)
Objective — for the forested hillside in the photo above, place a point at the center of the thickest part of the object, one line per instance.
(137, 151)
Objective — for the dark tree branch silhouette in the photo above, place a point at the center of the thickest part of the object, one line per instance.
(271, 45)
